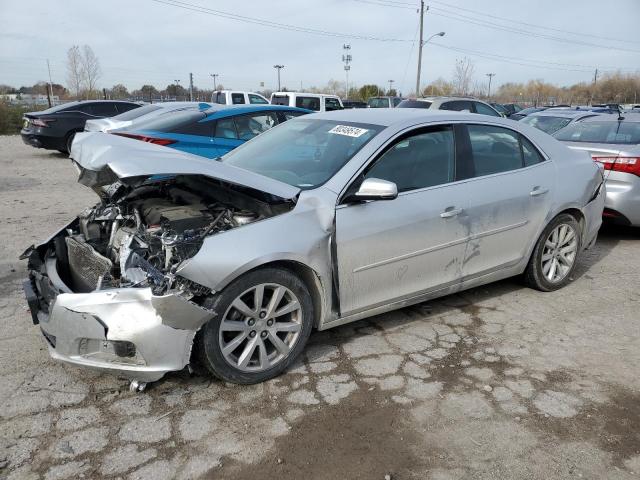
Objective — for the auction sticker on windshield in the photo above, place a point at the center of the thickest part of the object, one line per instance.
(348, 131)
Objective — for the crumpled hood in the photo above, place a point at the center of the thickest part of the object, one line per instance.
(110, 157)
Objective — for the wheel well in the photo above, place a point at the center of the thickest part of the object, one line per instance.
(310, 279)
(577, 214)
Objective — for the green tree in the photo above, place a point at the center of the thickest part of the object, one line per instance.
(119, 91)
(367, 91)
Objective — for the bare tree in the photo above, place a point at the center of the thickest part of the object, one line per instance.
(463, 75)
(91, 68)
(75, 74)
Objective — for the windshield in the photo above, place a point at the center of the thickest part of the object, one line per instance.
(602, 132)
(378, 102)
(137, 112)
(167, 123)
(304, 153)
(547, 124)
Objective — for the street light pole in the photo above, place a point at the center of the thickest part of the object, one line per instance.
(346, 58)
(214, 75)
(490, 75)
(278, 67)
(177, 85)
(422, 44)
(390, 85)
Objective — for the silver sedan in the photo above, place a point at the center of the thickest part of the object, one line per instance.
(614, 142)
(322, 221)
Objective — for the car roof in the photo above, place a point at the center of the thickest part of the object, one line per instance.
(220, 111)
(564, 113)
(390, 116)
(614, 117)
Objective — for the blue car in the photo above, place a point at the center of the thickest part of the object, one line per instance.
(213, 132)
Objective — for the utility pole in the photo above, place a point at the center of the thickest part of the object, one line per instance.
(215, 85)
(177, 85)
(490, 75)
(346, 58)
(420, 47)
(191, 87)
(390, 85)
(50, 84)
(278, 67)
(595, 82)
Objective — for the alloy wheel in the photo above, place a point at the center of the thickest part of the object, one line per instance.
(260, 327)
(559, 253)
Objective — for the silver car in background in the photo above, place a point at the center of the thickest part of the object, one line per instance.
(613, 141)
(321, 221)
(139, 115)
(550, 121)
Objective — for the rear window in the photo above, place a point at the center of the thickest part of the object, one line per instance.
(622, 132)
(61, 108)
(378, 102)
(169, 123)
(547, 124)
(414, 104)
(137, 112)
(310, 103)
(280, 100)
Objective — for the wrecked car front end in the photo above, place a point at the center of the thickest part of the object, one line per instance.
(106, 290)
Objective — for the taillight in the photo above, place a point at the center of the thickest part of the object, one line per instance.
(620, 164)
(158, 141)
(42, 122)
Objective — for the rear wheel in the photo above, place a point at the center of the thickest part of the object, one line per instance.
(69, 141)
(262, 322)
(555, 254)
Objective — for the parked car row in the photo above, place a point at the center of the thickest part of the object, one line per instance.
(236, 260)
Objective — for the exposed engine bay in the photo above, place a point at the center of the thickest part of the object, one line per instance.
(140, 239)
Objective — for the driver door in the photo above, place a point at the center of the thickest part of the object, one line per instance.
(389, 250)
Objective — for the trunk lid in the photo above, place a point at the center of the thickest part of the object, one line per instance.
(104, 158)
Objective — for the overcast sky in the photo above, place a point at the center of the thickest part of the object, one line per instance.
(145, 41)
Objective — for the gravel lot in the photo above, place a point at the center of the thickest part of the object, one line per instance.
(497, 382)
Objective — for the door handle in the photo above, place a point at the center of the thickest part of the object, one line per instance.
(538, 191)
(451, 212)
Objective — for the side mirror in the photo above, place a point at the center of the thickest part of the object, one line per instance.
(374, 189)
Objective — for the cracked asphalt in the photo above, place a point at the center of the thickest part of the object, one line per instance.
(498, 382)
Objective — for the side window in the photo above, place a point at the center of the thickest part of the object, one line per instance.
(237, 98)
(256, 99)
(422, 160)
(226, 128)
(221, 98)
(457, 105)
(331, 104)
(125, 107)
(494, 149)
(249, 126)
(100, 109)
(310, 103)
(203, 129)
(530, 154)
(482, 109)
(288, 115)
(396, 101)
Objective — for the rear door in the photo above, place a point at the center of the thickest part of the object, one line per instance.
(510, 189)
(388, 250)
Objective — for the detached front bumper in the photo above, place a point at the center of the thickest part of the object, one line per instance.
(125, 331)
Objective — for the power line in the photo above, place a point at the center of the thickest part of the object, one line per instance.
(269, 23)
(487, 24)
(543, 27)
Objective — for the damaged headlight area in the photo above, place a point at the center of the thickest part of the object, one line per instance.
(140, 240)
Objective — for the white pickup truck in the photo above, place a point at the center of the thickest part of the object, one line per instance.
(318, 102)
(237, 97)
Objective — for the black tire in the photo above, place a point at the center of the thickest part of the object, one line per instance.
(68, 141)
(533, 275)
(208, 348)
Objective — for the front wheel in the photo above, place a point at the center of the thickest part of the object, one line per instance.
(262, 323)
(555, 254)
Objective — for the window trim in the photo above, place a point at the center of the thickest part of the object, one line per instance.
(401, 136)
(456, 124)
(468, 157)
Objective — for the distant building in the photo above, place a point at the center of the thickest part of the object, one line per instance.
(29, 99)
